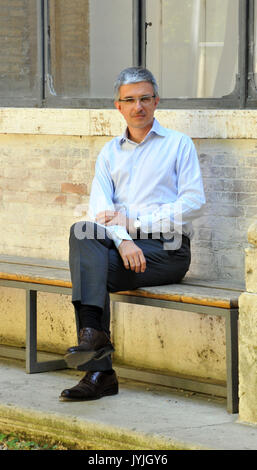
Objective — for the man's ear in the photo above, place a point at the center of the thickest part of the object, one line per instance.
(117, 105)
(157, 99)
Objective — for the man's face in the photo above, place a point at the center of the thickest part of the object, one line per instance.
(137, 114)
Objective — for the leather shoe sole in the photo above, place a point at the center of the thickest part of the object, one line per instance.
(77, 358)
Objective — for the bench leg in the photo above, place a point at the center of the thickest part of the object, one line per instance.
(32, 366)
(232, 360)
(31, 330)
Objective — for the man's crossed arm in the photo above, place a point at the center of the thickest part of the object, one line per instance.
(132, 256)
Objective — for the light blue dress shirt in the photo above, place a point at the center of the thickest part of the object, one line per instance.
(157, 181)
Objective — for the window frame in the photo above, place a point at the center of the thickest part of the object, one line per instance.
(88, 103)
(251, 100)
(238, 99)
(244, 95)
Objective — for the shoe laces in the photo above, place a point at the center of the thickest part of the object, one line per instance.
(86, 380)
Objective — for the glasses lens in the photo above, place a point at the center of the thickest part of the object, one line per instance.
(146, 99)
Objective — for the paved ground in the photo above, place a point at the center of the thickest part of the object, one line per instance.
(144, 411)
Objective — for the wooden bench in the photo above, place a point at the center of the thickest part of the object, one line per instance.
(203, 297)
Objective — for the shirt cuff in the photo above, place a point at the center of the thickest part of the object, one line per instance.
(117, 233)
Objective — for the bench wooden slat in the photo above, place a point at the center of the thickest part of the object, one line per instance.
(35, 280)
(34, 272)
(227, 284)
(195, 299)
(28, 261)
(199, 293)
(222, 284)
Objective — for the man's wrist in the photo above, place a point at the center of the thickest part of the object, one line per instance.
(133, 226)
(122, 243)
(137, 224)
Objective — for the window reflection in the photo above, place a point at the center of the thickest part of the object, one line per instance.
(90, 42)
(192, 46)
(18, 48)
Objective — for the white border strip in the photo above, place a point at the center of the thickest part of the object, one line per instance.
(204, 124)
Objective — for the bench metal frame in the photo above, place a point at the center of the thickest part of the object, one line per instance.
(231, 323)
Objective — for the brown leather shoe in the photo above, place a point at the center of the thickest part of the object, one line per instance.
(93, 344)
(94, 385)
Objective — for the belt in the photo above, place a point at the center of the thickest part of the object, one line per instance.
(159, 236)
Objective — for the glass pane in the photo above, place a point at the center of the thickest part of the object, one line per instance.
(91, 41)
(192, 46)
(18, 48)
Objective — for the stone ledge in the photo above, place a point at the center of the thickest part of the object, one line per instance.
(202, 124)
(77, 434)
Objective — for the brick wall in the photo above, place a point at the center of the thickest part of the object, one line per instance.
(229, 169)
(43, 180)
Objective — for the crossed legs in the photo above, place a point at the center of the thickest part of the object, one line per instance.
(97, 269)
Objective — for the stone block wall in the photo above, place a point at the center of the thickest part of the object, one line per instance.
(248, 335)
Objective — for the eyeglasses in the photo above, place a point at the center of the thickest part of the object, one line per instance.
(142, 100)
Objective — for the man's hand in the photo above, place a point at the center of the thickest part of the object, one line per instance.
(112, 218)
(132, 256)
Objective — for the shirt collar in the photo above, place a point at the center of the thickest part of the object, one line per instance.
(156, 129)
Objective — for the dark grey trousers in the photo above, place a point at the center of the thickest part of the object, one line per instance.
(97, 268)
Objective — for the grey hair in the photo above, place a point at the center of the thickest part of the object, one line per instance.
(134, 75)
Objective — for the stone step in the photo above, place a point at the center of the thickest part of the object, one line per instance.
(141, 416)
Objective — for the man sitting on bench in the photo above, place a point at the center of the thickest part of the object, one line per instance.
(146, 191)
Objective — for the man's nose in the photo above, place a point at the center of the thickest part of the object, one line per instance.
(138, 103)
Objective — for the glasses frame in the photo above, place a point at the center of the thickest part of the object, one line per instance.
(132, 100)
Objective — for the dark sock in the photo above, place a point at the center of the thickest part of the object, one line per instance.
(90, 316)
(109, 371)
